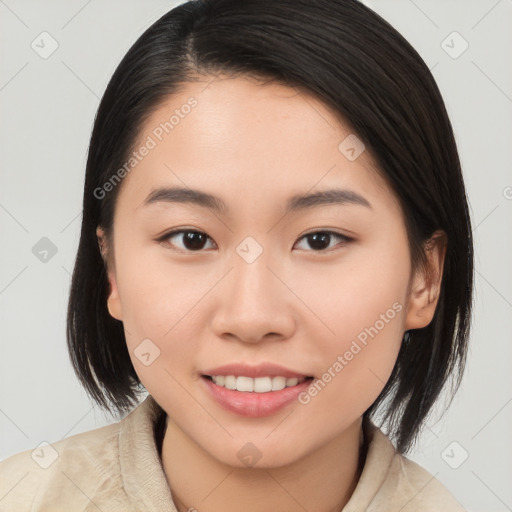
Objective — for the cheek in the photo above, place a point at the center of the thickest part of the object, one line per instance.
(352, 294)
(365, 316)
(161, 342)
(160, 316)
(154, 293)
(357, 361)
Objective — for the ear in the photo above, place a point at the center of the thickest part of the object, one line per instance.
(113, 302)
(426, 284)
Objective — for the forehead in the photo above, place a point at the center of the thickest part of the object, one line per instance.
(238, 135)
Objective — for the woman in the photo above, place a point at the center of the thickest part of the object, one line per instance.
(276, 245)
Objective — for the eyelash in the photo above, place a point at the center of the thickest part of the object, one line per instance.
(164, 239)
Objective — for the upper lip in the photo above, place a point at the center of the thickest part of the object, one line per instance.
(260, 370)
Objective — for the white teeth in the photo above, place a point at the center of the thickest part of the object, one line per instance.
(258, 385)
(244, 384)
(263, 385)
(278, 383)
(230, 382)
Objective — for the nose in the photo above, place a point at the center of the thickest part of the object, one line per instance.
(254, 303)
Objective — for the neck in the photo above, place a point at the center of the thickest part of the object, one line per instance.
(323, 480)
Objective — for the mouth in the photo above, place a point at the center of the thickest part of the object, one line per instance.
(252, 390)
(254, 397)
(264, 384)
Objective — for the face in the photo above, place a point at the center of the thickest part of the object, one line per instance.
(313, 288)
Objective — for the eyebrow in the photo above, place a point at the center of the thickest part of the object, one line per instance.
(335, 196)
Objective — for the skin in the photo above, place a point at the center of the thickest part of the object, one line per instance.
(255, 146)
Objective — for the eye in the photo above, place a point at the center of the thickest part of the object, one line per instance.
(321, 240)
(194, 241)
(191, 240)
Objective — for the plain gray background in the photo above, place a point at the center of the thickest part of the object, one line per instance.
(47, 106)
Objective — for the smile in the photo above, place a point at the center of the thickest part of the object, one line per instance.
(257, 385)
(251, 397)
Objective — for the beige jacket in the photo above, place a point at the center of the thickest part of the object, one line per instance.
(117, 468)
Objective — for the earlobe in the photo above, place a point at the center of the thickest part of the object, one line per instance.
(113, 301)
(426, 285)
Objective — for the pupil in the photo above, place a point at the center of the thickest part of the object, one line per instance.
(316, 237)
(193, 240)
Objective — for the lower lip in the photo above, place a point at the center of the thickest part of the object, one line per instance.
(255, 405)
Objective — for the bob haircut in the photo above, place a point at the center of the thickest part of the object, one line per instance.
(350, 58)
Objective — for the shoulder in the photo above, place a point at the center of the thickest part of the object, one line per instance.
(417, 490)
(66, 471)
(390, 482)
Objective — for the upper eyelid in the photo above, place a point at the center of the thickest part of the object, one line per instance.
(194, 230)
(180, 231)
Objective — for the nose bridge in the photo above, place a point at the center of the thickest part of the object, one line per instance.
(253, 283)
(252, 304)
(252, 278)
